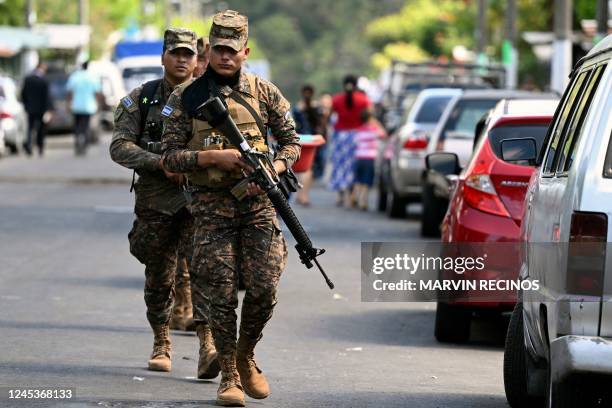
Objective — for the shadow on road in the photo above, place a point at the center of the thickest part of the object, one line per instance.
(405, 328)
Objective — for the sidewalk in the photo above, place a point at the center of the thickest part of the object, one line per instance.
(60, 165)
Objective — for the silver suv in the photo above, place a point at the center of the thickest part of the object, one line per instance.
(559, 341)
(406, 150)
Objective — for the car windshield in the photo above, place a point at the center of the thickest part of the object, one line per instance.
(134, 77)
(462, 121)
(432, 109)
(498, 135)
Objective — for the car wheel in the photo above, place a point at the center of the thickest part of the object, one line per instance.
(432, 214)
(13, 149)
(452, 323)
(515, 364)
(396, 205)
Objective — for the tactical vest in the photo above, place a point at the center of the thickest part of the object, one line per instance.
(204, 137)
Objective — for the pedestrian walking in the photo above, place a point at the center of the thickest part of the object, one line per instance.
(367, 138)
(162, 234)
(308, 120)
(37, 103)
(231, 235)
(84, 96)
(348, 106)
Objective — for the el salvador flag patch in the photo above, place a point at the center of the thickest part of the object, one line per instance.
(167, 111)
(127, 101)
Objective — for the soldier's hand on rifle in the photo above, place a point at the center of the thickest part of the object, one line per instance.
(228, 160)
(253, 190)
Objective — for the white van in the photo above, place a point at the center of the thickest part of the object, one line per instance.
(559, 342)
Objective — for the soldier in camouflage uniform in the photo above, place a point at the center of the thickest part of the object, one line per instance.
(162, 234)
(231, 235)
(203, 56)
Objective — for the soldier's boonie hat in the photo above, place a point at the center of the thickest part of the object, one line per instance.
(202, 43)
(229, 28)
(180, 38)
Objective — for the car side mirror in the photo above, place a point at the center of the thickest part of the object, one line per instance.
(443, 162)
(523, 150)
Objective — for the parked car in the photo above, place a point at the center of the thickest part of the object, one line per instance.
(62, 119)
(455, 133)
(405, 151)
(487, 205)
(559, 341)
(13, 118)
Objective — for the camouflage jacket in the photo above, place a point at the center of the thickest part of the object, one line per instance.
(153, 190)
(274, 110)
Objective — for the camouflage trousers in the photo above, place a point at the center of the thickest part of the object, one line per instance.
(164, 244)
(234, 236)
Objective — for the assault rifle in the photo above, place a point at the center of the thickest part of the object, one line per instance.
(215, 113)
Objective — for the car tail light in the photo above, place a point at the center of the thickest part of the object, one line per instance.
(5, 115)
(479, 193)
(587, 253)
(417, 141)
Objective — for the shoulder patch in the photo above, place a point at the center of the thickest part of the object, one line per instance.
(167, 111)
(129, 104)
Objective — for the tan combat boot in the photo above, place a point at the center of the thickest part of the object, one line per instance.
(177, 320)
(208, 365)
(162, 349)
(188, 310)
(230, 393)
(252, 378)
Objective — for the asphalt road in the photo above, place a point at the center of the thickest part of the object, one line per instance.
(72, 313)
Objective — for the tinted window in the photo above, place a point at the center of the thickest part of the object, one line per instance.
(569, 104)
(465, 115)
(498, 135)
(574, 131)
(432, 109)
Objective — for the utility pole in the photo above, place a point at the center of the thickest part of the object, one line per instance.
(30, 17)
(83, 12)
(481, 33)
(509, 52)
(562, 45)
(602, 19)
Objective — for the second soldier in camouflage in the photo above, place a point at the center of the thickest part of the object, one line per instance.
(162, 235)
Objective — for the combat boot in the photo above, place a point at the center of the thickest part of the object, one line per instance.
(188, 310)
(252, 378)
(230, 392)
(177, 320)
(208, 365)
(162, 349)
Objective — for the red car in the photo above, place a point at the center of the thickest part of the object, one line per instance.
(486, 207)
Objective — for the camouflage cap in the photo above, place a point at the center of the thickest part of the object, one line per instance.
(180, 38)
(229, 28)
(202, 44)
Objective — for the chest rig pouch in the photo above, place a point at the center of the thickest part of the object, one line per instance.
(205, 137)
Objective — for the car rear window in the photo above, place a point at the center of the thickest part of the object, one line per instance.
(498, 135)
(432, 109)
(465, 115)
